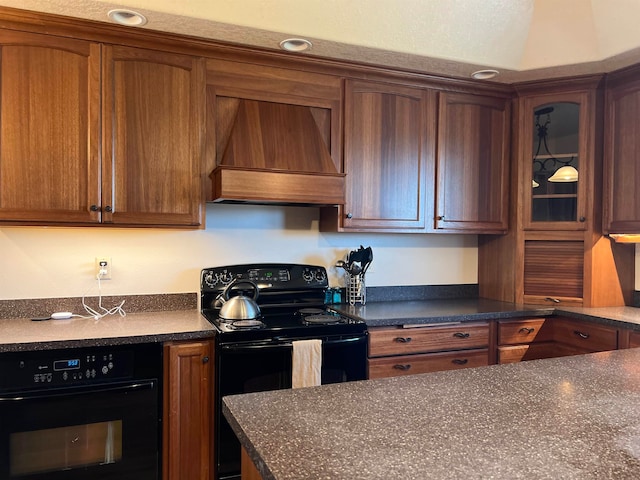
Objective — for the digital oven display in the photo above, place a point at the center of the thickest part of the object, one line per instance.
(60, 365)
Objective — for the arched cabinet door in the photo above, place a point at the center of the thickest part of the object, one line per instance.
(49, 129)
(389, 132)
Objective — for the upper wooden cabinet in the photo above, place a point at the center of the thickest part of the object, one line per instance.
(557, 134)
(49, 128)
(472, 164)
(622, 149)
(388, 141)
(153, 137)
(58, 99)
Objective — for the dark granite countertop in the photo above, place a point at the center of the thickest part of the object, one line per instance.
(417, 312)
(570, 417)
(21, 334)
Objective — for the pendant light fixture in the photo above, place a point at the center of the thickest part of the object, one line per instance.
(566, 173)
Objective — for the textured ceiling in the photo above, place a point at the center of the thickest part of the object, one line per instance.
(524, 39)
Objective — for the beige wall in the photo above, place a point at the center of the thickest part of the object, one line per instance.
(46, 262)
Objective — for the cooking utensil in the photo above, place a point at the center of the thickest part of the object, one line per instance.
(239, 307)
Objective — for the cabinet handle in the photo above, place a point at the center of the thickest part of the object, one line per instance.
(402, 367)
(94, 208)
(460, 361)
(526, 330)
(440, 217)
(205, 359)
(581, 334)
(403, 339)
(582, 219)
(349, 215)
(551, 299)
(108, 209)
(461, 335)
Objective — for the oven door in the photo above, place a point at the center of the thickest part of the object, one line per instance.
(261, 366)
(98, 432)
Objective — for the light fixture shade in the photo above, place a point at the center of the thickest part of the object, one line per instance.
(534, 184)
(565, 174)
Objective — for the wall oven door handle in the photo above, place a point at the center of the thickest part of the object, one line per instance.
(105, 388)
(287, 344)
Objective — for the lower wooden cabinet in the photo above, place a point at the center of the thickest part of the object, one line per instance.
(395, 351)
(629, 339)
(187, 449)
(535, 338)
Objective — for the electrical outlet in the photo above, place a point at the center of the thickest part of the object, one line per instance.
(103, 268)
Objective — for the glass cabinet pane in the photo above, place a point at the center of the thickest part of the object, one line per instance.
(555, 162)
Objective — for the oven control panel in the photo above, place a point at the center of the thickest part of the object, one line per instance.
(57, 368)
(266, 276)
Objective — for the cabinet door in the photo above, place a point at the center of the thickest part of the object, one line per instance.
(557, 133)
(188, 430)
(622, 169)
(388, 137)
(153, 117)
(49, 128)
(472, 164)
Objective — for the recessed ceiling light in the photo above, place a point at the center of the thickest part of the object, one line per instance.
(484, 74)
(127, 17)
(295, 44)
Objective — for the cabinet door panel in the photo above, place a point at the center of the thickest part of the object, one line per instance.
(472, 163)
(153, 120)
(622, 169)
(385, 156)
(49, 128)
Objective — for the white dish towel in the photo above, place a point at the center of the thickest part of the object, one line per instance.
(306, 363)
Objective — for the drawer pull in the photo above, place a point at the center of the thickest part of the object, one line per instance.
(581, 334)
(526, 330)
(460, 361)
(551, 299)
(461, 335)
(403, 339)
(404, 367)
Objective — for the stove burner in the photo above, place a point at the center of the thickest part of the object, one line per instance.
(321, 319)
(311, 311)
(247, 324)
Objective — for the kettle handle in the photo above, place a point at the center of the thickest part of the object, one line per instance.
(238, 281)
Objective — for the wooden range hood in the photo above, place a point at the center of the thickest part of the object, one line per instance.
(274, 153)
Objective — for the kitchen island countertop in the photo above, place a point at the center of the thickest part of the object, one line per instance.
(571, 417)
(22, 334)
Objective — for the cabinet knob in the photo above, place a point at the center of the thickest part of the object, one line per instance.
(403, 339)
(205, 359)
(461, 335)
(108, 209)
(440, 217)
(94, 208)
(404, 367)
(582, 219)
(460, 361)
(349, 215)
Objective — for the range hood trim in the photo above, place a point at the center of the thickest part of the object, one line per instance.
(267, 186)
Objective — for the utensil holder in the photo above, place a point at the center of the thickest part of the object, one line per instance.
(356, 290)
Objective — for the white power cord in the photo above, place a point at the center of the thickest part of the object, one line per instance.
(102, 312)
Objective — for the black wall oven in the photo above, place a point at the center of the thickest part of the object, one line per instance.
(259, 357)
(86, 413)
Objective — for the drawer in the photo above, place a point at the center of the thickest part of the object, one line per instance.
(533, 330)
(586, 336)
(533, 351)
(426, 362)
(401, 341)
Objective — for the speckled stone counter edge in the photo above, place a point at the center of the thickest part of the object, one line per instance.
(41, 307)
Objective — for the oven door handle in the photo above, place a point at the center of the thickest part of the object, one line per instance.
(288, 344)
(75, 390)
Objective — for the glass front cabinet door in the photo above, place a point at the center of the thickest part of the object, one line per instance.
(556, 153)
